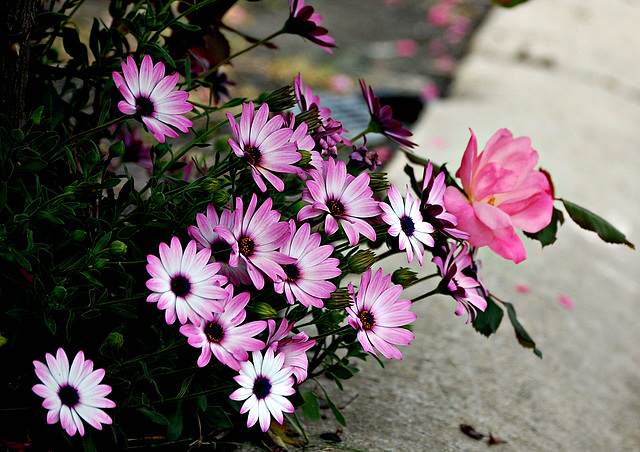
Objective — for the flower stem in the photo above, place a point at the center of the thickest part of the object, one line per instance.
(231, 57)
(96, 129)
(426, 295)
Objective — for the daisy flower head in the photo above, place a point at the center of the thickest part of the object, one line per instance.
(149, 95)
(460, 280)
(256, 236)
(382, 120)
(221, 250)
(185, 285)
(293, 348)
(342, 198)
(432, 204)
(405, 221)
(307, 278)
(72, 394)
(378, 315)
(264, 384)
(263, 144)
(303, 21)
(225, 336)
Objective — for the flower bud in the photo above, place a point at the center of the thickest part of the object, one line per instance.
(279, 100)
(306, 158)
(340, 299)
(117, 248)
(211, 186)
(117, 149)
(3, 340)
(59, 292)
(404, 276)
(78, 235)
(361, 261)
(221, 198)
(113, 340)
(100, 263)
(379, 182)
(264, 310)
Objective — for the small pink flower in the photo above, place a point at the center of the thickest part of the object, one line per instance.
(264, 145)
(149, 95)
(439, 15)
(73, 394)
(225, 336)
(303, 21)
(378, 315)
(502, 192)
(293, 348)
(342, 198)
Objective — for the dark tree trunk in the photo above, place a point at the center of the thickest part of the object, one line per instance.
(16, 21)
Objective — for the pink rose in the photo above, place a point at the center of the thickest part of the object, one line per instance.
(502, 192)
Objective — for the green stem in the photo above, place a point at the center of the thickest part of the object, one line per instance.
(426, 278)
(96, 129)
(426, 295)
(389, 252)
(231, 57)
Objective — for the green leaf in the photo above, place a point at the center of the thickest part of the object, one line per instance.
(73, 46)
(521, 334)
(311, 407)
(547, 236)
(592, 222)
(21, 260)
(508, 3)
(334, 409)
(217, 416)
(102, 243)
(174, 429)
(186, 26)
(154, 416)
(487, 322)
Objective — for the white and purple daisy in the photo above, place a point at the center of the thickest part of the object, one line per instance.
(307, 278)
(343, 198)
(149, 95)
(264, 145)
(225, 336)
(378, 315)
(382, 120)
(72, 394)
(185, 286)
(294, 348)
(221, 250)
(432, 204)
(306, 23)
(256, 236)
(265, 383)
(405, 221)
(460, 280)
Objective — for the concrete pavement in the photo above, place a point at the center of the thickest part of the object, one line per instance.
(567, 74)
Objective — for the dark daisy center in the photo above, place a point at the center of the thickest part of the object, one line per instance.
(252, 154)
(262, 387)
(180, 286)
(145, 106)
(367, 319)
(247, 246)
(214, 332)
(292, 271)
(406, 223)
(69, 396)
(221, 251)
(336, 208)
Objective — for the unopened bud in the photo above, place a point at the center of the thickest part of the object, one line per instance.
(59, 292)
(379, 182)
(117, 149)
(78, 235)
(113, 340)
(404, 276)
(100, 263)
(361, 261)
(221, 198)
(279, 100)
(306, 158)
(211, 186)
(264, 310)
(117, 248)
(340, 299)
(3, 340)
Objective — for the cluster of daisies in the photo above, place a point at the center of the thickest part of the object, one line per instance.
(250, 244)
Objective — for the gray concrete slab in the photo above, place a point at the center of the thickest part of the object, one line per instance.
(565, 74)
